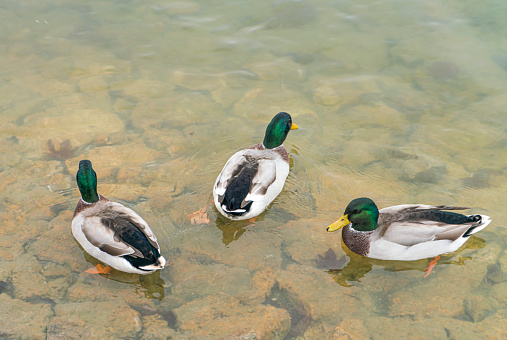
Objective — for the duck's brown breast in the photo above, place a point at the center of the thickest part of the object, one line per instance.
(357, 241)
(82, 205)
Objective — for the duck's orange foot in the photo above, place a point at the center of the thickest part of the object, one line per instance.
(200, 216)
(252, 220)
(432, 264)
(99, 269)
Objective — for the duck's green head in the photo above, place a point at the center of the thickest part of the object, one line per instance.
(361, 212)
(87, 181)
(277, 130)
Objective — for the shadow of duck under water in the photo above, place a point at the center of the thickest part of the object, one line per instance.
(151, 286)
(233, 230)
(351, 267)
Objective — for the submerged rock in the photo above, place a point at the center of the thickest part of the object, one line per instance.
(382, 327)
(27, 278)
(290, 14)
(315, 294)
(110, 159)
(419, 301)
(177, 7)
(220, 316)
(105, 319)
(443, 70)
(175, 111)
(57, 244)
(304, 240)
(477, 308)
(351, 329)
(146, 89)
(62, 328)
(78, 126)
(197, 275)
(196, 81)
(495, 273)
(155, 327)
(23, 320)
(327, 96)
(281, 99)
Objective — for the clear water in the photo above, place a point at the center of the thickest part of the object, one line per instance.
(400, 101)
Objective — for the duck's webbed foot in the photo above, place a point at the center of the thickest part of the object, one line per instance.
(432, 264)
(99, 269)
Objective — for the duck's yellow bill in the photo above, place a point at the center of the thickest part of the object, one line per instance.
(342, 222)
(294, 126)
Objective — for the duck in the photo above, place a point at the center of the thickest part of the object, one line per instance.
(405, 232)
(253, 177)
(111, 232)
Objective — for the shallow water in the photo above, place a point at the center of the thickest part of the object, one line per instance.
(403, 102)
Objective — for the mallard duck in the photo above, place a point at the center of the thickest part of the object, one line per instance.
(252, 178)
(405, 232)
(111, 232)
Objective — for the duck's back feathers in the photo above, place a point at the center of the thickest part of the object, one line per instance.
(254, 175)
(252, 180)
(145, 250)
(104, 237)
(111, 232)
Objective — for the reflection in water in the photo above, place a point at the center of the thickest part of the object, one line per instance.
(358, 266)
(232, 230)
(344, 272)
(151, 286)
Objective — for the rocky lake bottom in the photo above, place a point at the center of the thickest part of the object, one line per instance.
(398, 119)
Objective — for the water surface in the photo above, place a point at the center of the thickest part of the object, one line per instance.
(403, 102)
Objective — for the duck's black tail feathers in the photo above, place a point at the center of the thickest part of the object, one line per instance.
(234, 197)
(480, 222)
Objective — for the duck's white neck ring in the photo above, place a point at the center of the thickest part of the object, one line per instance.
(88, 203)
